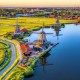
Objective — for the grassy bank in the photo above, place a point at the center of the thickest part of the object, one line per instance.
(3, 47)
(2, 53)
(8, 60)
(2, 56)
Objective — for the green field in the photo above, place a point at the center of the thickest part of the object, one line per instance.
(8, 24)
(2, 54)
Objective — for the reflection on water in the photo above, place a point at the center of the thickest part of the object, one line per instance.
(65, 57)
(43, 61)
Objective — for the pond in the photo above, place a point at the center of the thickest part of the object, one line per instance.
(63, 61)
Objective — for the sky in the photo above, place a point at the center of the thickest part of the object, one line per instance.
(39, 3)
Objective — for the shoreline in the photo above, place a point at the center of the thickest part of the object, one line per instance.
(30, 69)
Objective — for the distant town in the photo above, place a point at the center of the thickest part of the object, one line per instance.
(41, 12)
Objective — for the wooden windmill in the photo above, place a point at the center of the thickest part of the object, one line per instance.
(44, 63)
(42, 35)
(17, 27)
(57, 27)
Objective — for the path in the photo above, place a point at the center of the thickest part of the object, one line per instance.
(12, 59)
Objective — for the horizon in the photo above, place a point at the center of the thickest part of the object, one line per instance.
(39, 3)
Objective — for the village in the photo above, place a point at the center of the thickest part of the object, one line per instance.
(38, 46)
(25, 52)
(66, 13)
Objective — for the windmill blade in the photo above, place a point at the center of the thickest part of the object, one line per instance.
(35, 32)
(10, 24)
(44, 65)
(58, 35)
(44, 69)
(48, 64)
(49, 33)
(57, 30)
(5, 25)
(40, 33)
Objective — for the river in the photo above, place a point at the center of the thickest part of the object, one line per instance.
(63, 61)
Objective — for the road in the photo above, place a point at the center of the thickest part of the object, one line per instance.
(13, 58)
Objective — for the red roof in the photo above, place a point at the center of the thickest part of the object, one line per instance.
(28, 48)
(25, 48)
(24, 30)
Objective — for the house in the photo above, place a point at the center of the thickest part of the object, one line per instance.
(26, 50)
(24, 30)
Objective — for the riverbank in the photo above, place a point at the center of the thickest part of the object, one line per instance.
(61, 59)
(22, 71)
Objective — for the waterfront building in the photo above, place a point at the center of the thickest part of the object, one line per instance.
(42, 37)
(26, 50)
(24, 30)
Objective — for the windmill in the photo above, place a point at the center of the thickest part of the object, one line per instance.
(57, 25)
(42, 35)
(43, 62)
(17, 27)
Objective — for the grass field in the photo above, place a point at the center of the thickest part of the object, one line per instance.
(2, 45)
(8, 24)
(2, 54)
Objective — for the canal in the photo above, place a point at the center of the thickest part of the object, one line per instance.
(63, 61)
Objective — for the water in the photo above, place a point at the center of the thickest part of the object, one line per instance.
(65, 57)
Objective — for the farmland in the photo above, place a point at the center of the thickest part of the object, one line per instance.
(2, 54)
(8, 24)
